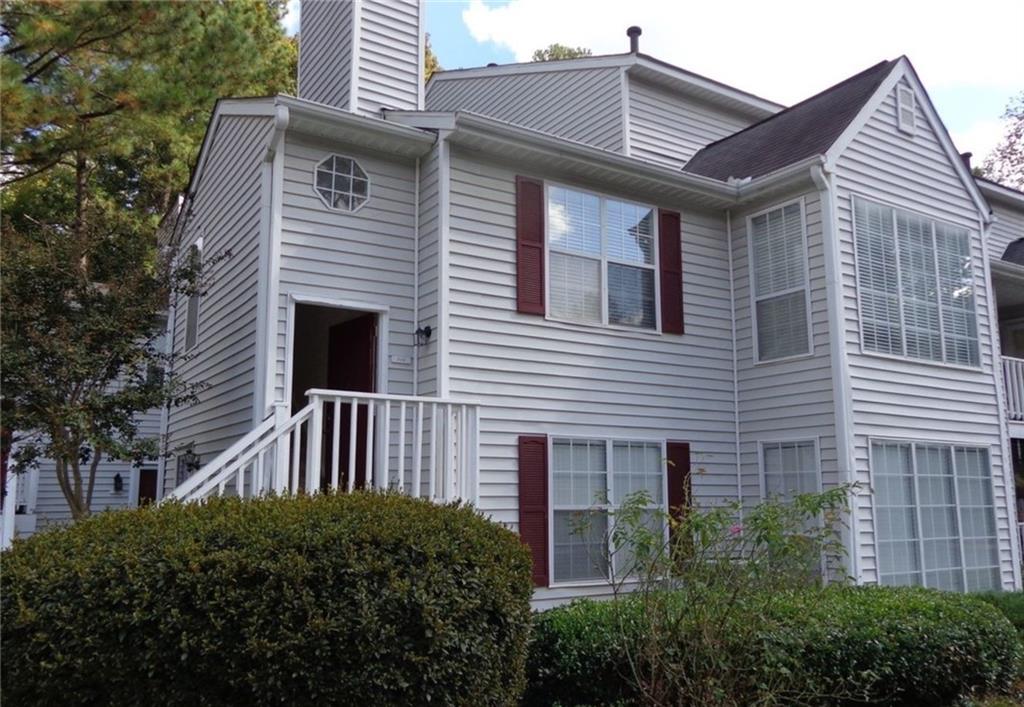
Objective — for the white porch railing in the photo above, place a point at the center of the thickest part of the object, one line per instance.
(1013, 380)
(425, 447)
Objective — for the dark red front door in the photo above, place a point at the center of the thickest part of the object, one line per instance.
(147, 486)
(351, 365)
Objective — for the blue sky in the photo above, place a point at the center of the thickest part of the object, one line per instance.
(971, 63)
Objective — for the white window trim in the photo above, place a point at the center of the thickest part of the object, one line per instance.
(754, 299)
(604, 260)
(903, 94)
(970, 444)
(853, 196)
(198, 245)
(369, 183)
(607, 507)
(762, 472)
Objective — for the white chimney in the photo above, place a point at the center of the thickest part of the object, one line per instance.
(362, 55)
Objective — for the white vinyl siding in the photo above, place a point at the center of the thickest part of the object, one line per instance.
(916, 286)
(936, 516)
(601, 261)
(589, 479)
(790, 468)
(778, 262)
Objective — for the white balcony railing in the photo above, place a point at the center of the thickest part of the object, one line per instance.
(425, 447)
(1013, 382)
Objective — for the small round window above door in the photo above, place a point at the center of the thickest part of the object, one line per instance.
(342, 183)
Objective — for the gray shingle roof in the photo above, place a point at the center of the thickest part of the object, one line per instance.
(806, 129)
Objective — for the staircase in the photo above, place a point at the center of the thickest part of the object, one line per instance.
(424, 447)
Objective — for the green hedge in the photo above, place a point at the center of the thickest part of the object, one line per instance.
(867, 644)
(332, 599)
(1011, 604)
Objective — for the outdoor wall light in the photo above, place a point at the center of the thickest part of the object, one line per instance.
(423, 335)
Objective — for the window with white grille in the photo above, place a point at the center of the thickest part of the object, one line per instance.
(778, 272)
(341, 183)
(915, 284)
(934, 516)
(589, 479)
(906, 113)
(602, 260)
(789, 468)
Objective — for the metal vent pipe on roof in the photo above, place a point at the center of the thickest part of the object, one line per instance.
(634, 33)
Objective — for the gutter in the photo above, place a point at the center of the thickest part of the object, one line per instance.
(842, 394)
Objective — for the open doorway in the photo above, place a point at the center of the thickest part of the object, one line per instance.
(335, 348)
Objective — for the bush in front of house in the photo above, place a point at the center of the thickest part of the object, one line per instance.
(1010, 603)
(331, 599)
(835, 645)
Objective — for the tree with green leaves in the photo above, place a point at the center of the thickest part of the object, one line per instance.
(1005, 164)
(104, 107)
(431, 65)
(555, 52)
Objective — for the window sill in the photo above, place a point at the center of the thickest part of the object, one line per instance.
(586, 326)
(922, 361)
(786, 359)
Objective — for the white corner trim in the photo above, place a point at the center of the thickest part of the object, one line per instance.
(422, 35)
(626, 119)
(272, 273)
(444, 266)
(353, 65)
(416, 280)
(735, 365)
(842, 391)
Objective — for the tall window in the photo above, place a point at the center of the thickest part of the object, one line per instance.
(589, 479)
(602, 260)
(195, 255)
(790, 468)
(934, 516)
(916, 286)
(778, 270)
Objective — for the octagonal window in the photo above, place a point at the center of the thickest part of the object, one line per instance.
(342, 183)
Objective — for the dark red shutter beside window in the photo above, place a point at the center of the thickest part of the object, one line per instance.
(533, 502)
(671, 262)
(678, 471)
(529, 246)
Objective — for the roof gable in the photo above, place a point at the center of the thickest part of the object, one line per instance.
(806, 129)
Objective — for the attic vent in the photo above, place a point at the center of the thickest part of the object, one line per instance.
(905, 110)
(342, 183)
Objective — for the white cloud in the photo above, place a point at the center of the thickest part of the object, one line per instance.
(980, 138)
(290, 21)
(782, 51)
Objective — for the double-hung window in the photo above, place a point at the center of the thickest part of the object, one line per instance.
(602, 260)
(778, 271)
(934, 516)
(915, 283)
(789, 468)
(590, 478)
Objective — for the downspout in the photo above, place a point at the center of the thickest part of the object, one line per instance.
(841, 387)
(735, 366)
(997, 379)
(272, 273)
(416, 283)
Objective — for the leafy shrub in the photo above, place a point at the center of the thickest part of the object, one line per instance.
(837, 645)
(1010, 603)
(331, 599)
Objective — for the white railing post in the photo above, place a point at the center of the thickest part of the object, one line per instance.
(1013, 380)
(370, 410)
(401, 445)
(384, 473)
(280, 483)
(417, 450)
(10, 506)
(335, 443)
(315, 443)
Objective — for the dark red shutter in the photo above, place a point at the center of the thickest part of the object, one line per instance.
(533, 502)
(671, 261)
(679, 498)
(529, 246)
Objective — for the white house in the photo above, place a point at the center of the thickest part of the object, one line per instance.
(526, 285)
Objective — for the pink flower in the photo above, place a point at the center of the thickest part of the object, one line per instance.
(736, 529)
